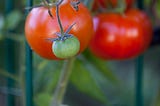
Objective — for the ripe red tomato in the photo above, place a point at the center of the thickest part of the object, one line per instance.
(146, 23)
(121, 36)
(104, 3)
(40, 26)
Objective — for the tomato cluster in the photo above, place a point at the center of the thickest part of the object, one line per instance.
(116, 35)
(121, 35)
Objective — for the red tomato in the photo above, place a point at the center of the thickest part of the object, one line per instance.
(144, 19)
(121, 36)
(40, 26)
(104, 3)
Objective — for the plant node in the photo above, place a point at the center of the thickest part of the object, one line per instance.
(75, 4)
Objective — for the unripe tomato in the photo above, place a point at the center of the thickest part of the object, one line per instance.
(40, 26)
(121, 36)
(66, 48)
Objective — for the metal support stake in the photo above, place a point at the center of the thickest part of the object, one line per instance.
(9, 56)
(139, 71)
(139, 81)
(29, 83)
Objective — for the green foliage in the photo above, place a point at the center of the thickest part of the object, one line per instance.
(47, 74)
(43, 99)
(158, 8)
(13, 19)
(100, 66)
(1, 21)
(83, 80)
(157, 102)
(6, 74)
(88, 3)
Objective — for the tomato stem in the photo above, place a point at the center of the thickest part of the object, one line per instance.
(88, 3)
(120, 7)
(58, 17)
(45, 3)
(63, 81)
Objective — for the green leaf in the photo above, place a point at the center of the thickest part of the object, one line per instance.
(52, 83)
(13, 19)
(88, 3)
(82, 79)
(46, 74)
(42, 65)
(1, 36)
(43, 99)
(1, 22)
(15, 37)
(157, 102)
(7, 74)
(101, 66)
(158, 8)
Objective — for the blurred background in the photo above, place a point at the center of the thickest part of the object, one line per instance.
(94, 82)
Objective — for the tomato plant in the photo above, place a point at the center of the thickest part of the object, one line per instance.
(114, 3)
(121, 36)
(40, 26)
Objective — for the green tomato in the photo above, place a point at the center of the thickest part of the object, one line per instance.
(66, 48)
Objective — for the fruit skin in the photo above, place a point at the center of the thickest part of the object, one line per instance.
(39, 26)
(140, 16)
(66, 48)
(121, 36)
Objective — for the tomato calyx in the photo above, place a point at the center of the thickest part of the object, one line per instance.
(75, 4)
(62, 36)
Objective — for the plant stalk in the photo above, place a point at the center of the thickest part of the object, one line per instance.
(120, 7)
(63, 81)
(58, 17)
(66, 70)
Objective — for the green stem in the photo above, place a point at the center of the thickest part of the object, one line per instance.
(45, 2)
(88, 3)
(58, 17)
(120, 7)
(63, 81)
